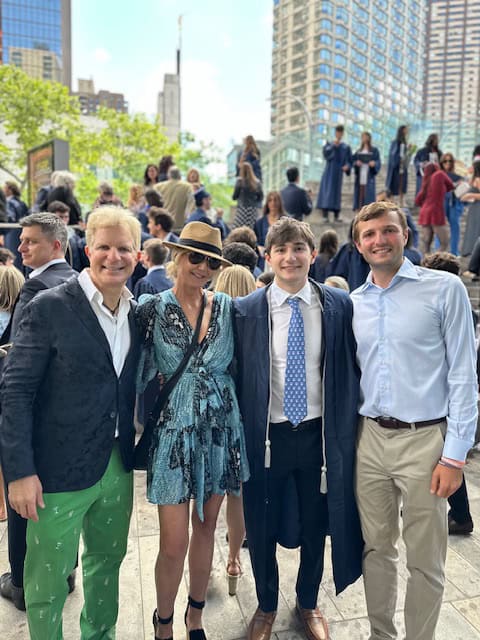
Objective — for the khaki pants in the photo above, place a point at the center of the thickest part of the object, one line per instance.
(394, 468)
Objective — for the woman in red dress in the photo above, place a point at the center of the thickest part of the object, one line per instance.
(431, 199)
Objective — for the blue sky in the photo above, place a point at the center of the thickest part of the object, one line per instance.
(226, 51)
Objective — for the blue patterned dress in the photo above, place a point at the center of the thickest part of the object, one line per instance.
(198, 446)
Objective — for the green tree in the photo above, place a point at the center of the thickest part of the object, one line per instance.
(122, 142)
(32, 112)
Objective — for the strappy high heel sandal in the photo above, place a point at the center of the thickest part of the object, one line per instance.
(234, 573)
(158, 620)
(194, 634)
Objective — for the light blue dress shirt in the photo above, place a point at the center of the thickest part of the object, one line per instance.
(416, 352)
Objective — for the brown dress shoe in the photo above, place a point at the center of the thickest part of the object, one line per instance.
(314, 624)
(260, 627)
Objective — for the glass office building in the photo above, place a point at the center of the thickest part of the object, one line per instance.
(36, 36)
(452, 81)
(359, 63)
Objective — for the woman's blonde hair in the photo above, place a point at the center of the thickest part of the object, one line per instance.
(172, 266)
(11, 281)
(248, 177)
(337, 282)
(135, 194)
(236, 281)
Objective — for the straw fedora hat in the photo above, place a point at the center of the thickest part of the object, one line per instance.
(200, 238)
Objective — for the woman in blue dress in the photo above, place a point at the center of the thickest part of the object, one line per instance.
(198, 448)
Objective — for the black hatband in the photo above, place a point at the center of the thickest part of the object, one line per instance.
(203, 246)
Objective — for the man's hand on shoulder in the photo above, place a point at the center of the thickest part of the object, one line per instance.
(25, 495)
(445, 481)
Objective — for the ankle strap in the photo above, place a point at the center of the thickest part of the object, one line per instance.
(158, 620)
(196, 605)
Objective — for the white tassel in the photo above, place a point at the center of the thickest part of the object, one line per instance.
(268, 455)
(323, 480)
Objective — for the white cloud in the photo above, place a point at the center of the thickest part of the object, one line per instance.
(102, 55)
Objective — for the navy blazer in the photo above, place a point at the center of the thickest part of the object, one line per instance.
(53, 276)
(296, 201)
(154, 282)
(61, 397)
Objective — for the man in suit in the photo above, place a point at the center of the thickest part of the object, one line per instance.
(67, 434)
(300, 427)
(75, 254)
(154, 255)
(177, 197)
(43, 241)
(296, 200)
(160, 224)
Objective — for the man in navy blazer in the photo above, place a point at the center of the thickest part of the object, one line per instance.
(67, 434)
(296, 201)
(43, 241)
(154, 255)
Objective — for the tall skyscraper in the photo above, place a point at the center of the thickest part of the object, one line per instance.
(35, 35)
(358, 63)
(452, 74)
(168, 105)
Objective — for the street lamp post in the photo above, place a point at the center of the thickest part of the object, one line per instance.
(310, 124)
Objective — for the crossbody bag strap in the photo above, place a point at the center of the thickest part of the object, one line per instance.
(172, 381)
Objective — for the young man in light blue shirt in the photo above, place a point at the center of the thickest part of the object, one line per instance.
(418, 402)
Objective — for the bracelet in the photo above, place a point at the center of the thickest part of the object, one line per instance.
(442, 463)
(456, 463)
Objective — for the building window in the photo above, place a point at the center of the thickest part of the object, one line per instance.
(327, 7)
(324, 69)
(325, 39)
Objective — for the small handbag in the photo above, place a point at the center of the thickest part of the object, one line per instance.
(142, 450)
(461, 189)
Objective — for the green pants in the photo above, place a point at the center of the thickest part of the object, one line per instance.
(102, 514)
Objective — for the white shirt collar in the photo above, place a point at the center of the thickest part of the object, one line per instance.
(91, 291)
(280, 296)
(39, 270)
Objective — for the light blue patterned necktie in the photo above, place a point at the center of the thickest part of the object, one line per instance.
(295, 393)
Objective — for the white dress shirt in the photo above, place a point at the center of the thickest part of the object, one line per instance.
(115, 327)
(280, 313)
(39, 270)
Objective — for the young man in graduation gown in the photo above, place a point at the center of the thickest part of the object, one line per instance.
(298, 394)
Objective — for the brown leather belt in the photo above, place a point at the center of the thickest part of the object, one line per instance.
(387, 422)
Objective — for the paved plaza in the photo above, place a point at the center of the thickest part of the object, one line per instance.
(226, 617)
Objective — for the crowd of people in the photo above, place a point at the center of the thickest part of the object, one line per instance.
(249, 371)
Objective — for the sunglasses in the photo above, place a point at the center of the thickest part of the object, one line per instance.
(447, 161)
(198, 258)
